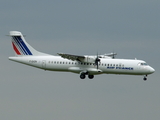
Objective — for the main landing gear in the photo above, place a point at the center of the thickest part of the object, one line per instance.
(83, 76)
(145, 78)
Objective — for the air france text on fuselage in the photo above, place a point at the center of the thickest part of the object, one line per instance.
(124, 68)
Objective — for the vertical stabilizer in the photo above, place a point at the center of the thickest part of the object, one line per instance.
(21, 47)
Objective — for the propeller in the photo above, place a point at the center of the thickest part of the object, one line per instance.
(97, 60)
(114, 54)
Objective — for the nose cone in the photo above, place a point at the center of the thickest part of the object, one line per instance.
(152, 70)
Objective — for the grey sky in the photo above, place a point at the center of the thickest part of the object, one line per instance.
(130, 28)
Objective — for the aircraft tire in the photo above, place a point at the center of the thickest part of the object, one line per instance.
(90, 76)
(82, 76)
(144, 78)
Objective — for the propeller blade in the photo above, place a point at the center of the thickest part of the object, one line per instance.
(114, 54)
(97, 60)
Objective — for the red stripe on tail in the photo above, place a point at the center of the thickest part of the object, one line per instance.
(15, 49)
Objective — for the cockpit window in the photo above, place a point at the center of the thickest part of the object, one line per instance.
(144, 64)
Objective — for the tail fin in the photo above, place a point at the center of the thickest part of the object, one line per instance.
(21, 47)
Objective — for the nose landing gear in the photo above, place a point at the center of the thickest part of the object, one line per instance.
(145, 78)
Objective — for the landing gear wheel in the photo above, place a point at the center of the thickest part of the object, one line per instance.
(82, 76)
(144, 78)
(90, 76)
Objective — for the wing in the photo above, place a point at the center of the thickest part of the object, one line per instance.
(72, 57)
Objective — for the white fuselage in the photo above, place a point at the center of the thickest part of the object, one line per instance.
(83, 65)
(108, 66)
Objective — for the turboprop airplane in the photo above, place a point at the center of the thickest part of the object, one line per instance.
(83, 65)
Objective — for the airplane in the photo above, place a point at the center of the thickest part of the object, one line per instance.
(84, 65)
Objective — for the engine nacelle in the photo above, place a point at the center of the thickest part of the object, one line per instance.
(88, 59)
